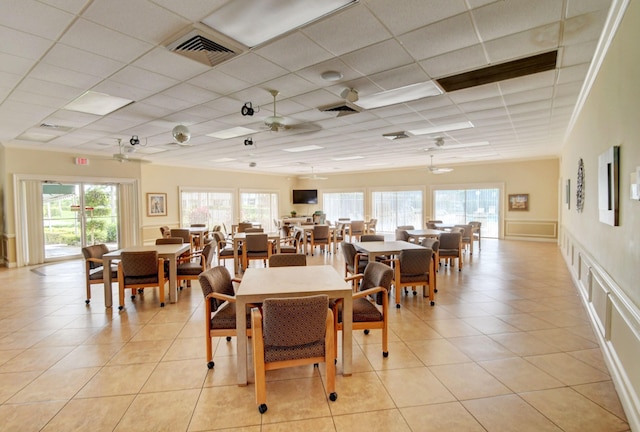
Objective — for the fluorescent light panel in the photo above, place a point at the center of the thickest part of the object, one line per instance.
(346, 158)
(457, 146)
(253, 22)
(303, 149)
(400, 95)
(222, 160)
(232, 133)
(97, 103)
(442, 128)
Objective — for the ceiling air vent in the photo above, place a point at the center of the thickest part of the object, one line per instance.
(204, 47)
(343, 108)
(395, 135)
(500, 72)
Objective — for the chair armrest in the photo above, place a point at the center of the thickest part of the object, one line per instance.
(354, 277)
(370, 291)
(220, 296)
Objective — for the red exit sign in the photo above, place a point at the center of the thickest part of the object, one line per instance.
(82, 161)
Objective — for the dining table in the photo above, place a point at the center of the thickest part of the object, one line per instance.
(385, 248)
(422, 233)
(169, 252)
(260, 283)
(238, 238)
(196, 232)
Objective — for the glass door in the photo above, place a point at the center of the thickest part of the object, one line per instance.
(461, 206)
(77, 215)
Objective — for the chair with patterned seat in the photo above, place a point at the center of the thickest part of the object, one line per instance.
(190, 267)
(138, 270)
(94, 267)
(291, 332)
(256, 246)
(220, 307)
(320, 236)
(414, 267)
(370, 302)
(356, 229)
(287, 260)
(354, 261)
(451, 248)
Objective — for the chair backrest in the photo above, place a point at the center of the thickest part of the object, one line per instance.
(183, 233)
(207, 254)
(216, 279)
(94, 251)
(287, 260)
(415, 261)
(253, 230)
(139, 263)
(357, 227)
(242, 226)
(169, 240)
(402, 234)
(450, 240)
(405, 227)
(431, 243)
(219, 237)
(435, 221)
(431, 225)
(377, 274)
(349, 253)
(256, 242)
(371, 237)
(294, 327)
(467, 231)
(475, 224)
(198, 225)
(321, 232)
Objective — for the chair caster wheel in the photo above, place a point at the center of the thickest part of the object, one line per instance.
(335, 361)
(120, 307)
(415, 292)
(385, 354)
(262, 408)
(133, 298)
(87, 301)
(315, 365)
(433, 303)
(398, 306)
(228, 338)
(333, 396)
(435, 290)
(210, 365)
(162, 304)
(366, 331)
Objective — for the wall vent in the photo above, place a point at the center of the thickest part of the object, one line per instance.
(203, 47)
(343, 108)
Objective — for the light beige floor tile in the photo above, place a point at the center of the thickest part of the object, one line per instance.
(437, 352)
(295, 399)
(35, 359)
(384, 420)
(117, 380)
(117, 334)
(176, 375)
(468, 381)
(490, 412)
(526, 322)
(574, 412)
(87, 356)
(141, 352)
(54, 385)
(187, 349)
(360, 392)
(240, 409)
(28, 417)
(152, 332)
(564, 339)
(490, 325)
(400, 356)
(524, 344)
(412, 331)
(64, 337)
(451, 328)
(414, 386)
(6, 355)
(450, 416)
(567, 369)
(11, 383)
(604, 394)
(94, 414)
(592, 357)
(224, 372)
(323, 424)
(148, 412)
(23, 339)
(481, 348)
(520, 375)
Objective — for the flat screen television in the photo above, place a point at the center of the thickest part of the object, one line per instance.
(305, 196)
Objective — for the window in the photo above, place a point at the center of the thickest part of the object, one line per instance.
(207, 207)
(461, 206)
(259, 207)
(338, 205)
(394, 208)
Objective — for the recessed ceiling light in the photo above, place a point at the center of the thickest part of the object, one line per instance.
(97, 103)
(331, 75)
(38, 137)
(232, 133)
(303, 149)
(254, 22)
(222, 160)
(346, 158)
(400, 95)
(442, 128)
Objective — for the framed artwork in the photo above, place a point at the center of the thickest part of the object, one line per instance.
(518, 202)
(156, 204)
(608, 186)
(567, 193)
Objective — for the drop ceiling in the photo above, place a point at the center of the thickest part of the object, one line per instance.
(54, 51)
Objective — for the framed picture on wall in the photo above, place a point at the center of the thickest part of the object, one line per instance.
(156, 204)
(518, 202)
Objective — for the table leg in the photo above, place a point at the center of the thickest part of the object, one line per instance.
(241, 342)
(235, 256)
(108, 295)
(347, 337)
(173, 278)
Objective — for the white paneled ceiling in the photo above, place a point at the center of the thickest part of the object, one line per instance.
(55, 50)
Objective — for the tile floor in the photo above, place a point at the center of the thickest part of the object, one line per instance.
(507, 347)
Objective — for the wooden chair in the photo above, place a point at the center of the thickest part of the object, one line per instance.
(287, 259)
(224, 249)
(291, 332)
(467, 237)
(356, 229)
(477, 232)
(220, 307)
(320, 236)
(190, 267)
(451, 248)
(415, 267)
(139, 270)
(256, 246)
(354, 262)
(94, 267)
(370, 302)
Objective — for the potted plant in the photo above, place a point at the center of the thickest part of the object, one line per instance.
(293, 213)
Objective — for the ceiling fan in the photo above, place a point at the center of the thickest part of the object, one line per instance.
(313, 176)
(124, 153)
(439, 145)
(438, 170)
(277, 123)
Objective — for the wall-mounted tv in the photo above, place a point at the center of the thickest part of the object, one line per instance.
(305, 196)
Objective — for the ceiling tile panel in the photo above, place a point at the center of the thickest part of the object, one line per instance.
(524, 44)
(294, 52)
(167, 63)
(81, 61)
(30, 46)
(378, 57)
(455, 62)
(251, 68)
(448, 35)
(34, 17)
(402, 16)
